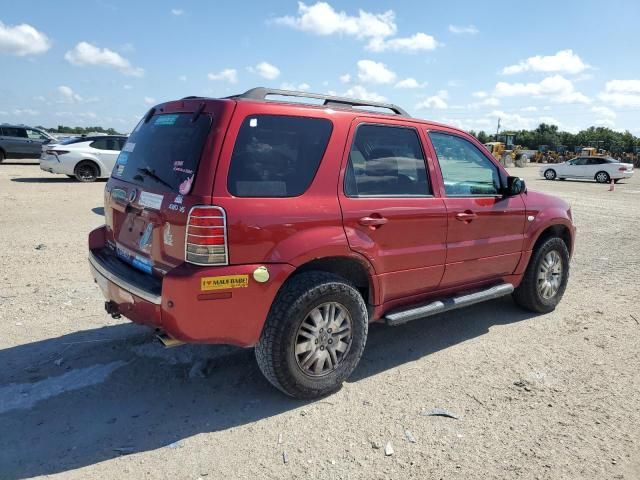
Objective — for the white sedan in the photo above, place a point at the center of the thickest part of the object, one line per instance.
(600, 169)
(83, 158)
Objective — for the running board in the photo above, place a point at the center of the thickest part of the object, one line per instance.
(399, 317)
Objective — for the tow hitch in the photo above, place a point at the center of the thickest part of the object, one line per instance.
(112, 309)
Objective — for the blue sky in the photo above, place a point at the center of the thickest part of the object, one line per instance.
(103, 62)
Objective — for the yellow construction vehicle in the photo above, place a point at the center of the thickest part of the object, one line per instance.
(506, 152)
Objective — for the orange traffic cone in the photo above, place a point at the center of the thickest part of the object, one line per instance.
(612, 186)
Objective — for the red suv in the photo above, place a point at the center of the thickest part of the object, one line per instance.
(287, 226)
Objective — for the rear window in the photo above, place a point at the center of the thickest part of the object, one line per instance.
(164, 152)
(277, 156)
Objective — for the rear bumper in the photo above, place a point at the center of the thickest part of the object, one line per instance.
(52, 165)
(180, 305)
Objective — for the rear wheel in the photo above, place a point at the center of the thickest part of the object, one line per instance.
(314, 335)
(2, 156)
(86, 171)
(550, 174)
(545, 279)
(602, 177)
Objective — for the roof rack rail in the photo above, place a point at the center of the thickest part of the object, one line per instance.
(261, 93)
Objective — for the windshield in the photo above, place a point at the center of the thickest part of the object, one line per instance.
(164, 152)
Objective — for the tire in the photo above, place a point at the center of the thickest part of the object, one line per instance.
(86, 171)
(2, 156)
(287, 327)
(550, 174)
(602, 177)
(616, 180)
(531, 293)
(562, 179)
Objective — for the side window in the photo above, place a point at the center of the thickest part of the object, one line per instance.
(581, 161)
(14, 132)
(386, 161)
(277, 156)
(100, 144)
(465, 170)
(121, 142)
(35, 135)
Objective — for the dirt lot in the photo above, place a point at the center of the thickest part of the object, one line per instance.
(554, 396)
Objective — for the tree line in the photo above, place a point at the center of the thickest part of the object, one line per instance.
(550, 135)
(80, 130)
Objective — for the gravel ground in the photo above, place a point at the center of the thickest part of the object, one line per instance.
(84, 396)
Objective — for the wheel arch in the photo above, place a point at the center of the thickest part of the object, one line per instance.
(354, 270)
(557, 230)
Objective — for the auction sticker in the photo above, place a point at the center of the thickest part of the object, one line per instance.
(221, 283)
(151, 200)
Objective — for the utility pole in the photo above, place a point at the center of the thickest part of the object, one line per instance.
(498, 129)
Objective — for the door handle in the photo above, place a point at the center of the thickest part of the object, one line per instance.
(466, 216)
(372, 221)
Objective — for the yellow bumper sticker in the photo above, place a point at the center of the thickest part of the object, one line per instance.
(221, 283)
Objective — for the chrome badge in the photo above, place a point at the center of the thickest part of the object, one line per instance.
(133, 194)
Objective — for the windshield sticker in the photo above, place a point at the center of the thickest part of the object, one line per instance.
(253, 122)
(123, 158)
(119, 170)
(168, 236)
(165, 120)
(151, 200)
(128, 147)
(222, 283)
(183, 170)
(185, 187)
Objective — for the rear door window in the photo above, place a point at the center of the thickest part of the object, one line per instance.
(164, 152)
(14, 132)
(277, 156)
(386, 161)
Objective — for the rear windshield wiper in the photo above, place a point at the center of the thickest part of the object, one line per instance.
(151, 173)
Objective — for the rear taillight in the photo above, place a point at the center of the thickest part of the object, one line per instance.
(206, 236)
(622, 169)
(56, 152)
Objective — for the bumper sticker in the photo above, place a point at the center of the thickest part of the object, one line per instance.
(151, 200)
(221, 283)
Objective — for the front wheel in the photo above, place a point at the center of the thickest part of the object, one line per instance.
(545, 279)
(314, 335)
(2, 156)
(550, 174)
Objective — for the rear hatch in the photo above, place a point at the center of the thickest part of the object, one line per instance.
(165, 168)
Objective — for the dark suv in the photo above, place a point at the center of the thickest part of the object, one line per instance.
(290, 227)
(19, 141)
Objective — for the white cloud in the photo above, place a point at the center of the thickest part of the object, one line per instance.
(437, 102)
(623, 86)
(127, 87)
(529, 109)
(512, 121)
(605, 122)
(87, 54)
(22, 40)
(374, 72)
(604, 111)
(415, 43)
(177, 12)
(361, 93)
(322, 19)
(301, 87)
(266, 70)
(480, 94)
(68, 95)
(565, 61)
(149, 100)
(557, 88)
(346, 78)
(550, 121)
(491, 102)
(621, 93)
(469, 29)
(410, 82)
(26, 111)
(227, 75)
(182, 78)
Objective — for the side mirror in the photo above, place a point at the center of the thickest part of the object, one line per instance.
(515, 186)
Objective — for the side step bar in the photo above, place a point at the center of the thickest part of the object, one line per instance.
(399, 317)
